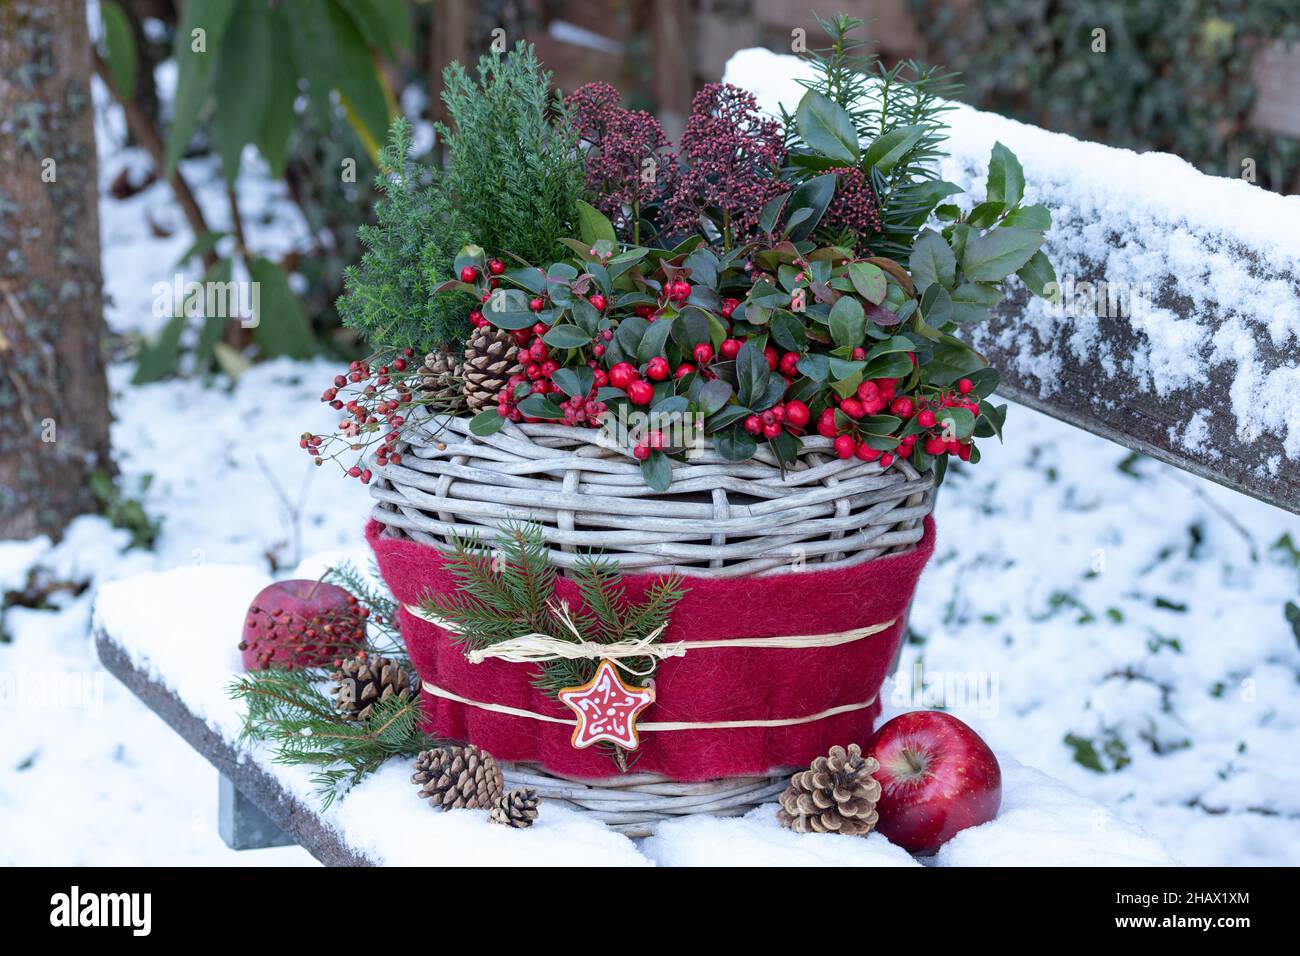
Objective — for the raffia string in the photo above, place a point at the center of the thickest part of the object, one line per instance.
(654, 725)
(535, 648)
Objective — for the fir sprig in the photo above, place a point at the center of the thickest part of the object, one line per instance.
(291, 710)
(510, 592)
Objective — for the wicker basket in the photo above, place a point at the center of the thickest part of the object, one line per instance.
(719, 518)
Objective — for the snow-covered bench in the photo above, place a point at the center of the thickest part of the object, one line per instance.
(183, 675)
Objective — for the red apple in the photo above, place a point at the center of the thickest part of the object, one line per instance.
(301, 624)
(936, 777)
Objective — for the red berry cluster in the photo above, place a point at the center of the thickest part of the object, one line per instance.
(375, 397)
(538, 369)
(877, 396)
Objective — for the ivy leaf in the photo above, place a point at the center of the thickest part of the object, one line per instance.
(932, 261)
(486, 423)
(827, 128)
(888, 148)
(997, 254)
(1006, 182)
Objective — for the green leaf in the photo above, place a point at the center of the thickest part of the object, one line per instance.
(1030, 217)
(243, 77)
(195, 70)
(594, 224)
(971, 301)
(119, 46)
(735, 444)
(357, 78)
(959, 420)
(936, 305)
(814, 195)
(214, 326)
(827, 128)
(1006, 179)
(1037, 273)
(848, 322)
(657, 470)
(997, 254)
(279, 119)
(869, 280)
(771, 213)
(486, 423)
(576, 382)
(281, 328)
(788, 331)
(752, 374)
(714, 394)
(160, 357)
(312, 42)
(539, 406)
(654, 340)
(566, 337)
(932, 261)
(889, 148)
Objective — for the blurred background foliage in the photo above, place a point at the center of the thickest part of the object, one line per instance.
(305, 90)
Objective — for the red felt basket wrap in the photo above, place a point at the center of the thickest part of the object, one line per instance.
(725, 684)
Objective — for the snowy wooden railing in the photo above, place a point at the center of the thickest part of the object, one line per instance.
(1178, 334)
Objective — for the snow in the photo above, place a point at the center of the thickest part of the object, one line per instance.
(1160, 232)
(382, 818)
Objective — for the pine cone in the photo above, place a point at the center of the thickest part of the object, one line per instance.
(518, 808)
(837, 794)
(363, 679)
(441, 379)
(458, 777)
(491, 357)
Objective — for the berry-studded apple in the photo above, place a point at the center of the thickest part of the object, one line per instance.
(301, 624)
(936, 777)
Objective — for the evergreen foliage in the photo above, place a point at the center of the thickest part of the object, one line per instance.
(511, 184)
(389, 297)
(514, 164)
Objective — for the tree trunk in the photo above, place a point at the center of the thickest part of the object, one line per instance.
(53, 398)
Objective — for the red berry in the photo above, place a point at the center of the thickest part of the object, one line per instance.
(886, 386)
(773, 359)
(598, 302)
(686, 368)
(730, 348)
(852, 407)
(536, 304)
(926, 418)
(886, 460)
(622, 375)
(641, 452)
(754, 425)
(964, 452)
(772, 430)
(965, 385)
(522, 337)
(859, 354)
(655, 440)
(934, 445)
(902, 407)
(598, 350)
(640, 392)
(797, 414)
(681, 290)
(468, 274)
(845, 446)
(703, 353)
(657, 369)
(866, 453)
(790, 363)
(496, 267)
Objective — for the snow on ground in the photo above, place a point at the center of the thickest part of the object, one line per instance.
(1110, 622)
